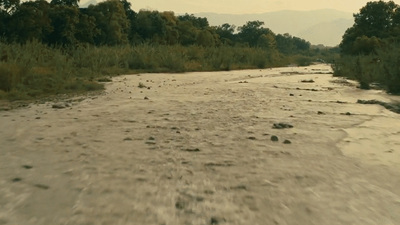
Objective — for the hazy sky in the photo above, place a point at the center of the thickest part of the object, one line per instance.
(246, 6)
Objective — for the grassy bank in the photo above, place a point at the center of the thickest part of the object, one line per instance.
(34, 70)
(378, 69)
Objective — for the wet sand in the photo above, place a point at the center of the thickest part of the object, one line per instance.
(196, 148)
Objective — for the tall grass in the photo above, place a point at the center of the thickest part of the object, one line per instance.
(381, 69)
(33, 69)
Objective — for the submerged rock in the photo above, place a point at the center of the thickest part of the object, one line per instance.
(61, 105)
(274, 138)
(282, 126)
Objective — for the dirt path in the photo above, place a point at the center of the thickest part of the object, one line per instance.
(196, 149)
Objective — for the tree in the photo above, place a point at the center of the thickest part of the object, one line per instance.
(301, 44)
(111, 21)
(150, 25)
(251, 32)
(132, 17)
(205, 38)
(365, 45)
(65, 2)
(284, 43)
(377, 19)
(172, 34)
(226, 33)
(86, 30)
(187, 33)
(9, 6)
(267, 41)
(198, 22)
(64, 20)
(4, 18)
(30, 21)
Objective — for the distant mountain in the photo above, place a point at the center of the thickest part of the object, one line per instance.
(328, 34)
(325, 26)
(87, 3)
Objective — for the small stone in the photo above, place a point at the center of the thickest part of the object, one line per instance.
(150, 142)
(191, 150)
(61, 105)
(215, 220)
(180, 204)
(291, 94)
(5, 108)
(42, 186)
(127, 139)
(27, 167)
(252, 138)
(282, 126)
(274, 138)
(239, 187)
(17, 179)
(146, 98)
(321, 113)
(287, 142)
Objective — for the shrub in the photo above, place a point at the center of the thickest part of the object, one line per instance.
(381, 67)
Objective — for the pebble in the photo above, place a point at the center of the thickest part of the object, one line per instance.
(287, 142)
(61, 105)
(274, 138)
(282, 125)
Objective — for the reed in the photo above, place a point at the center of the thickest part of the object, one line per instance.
(33, 70)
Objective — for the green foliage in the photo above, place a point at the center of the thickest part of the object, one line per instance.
(150, 25)
(30, 21)
(389, 68)
(205, 38)
(65, 2)
(111, 21)
(33, 70)
(370, 49)
(288, 44)
(381, 67)
(64, 20)
(251, 32)
(198, 22)
(226, 32)
(9, 6)
(376, 20)
(52, 48)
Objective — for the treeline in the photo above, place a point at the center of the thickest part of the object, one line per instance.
(56, 47)
(370, 49)
(113, 22)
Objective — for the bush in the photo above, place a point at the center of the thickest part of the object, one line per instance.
(381, 67)
(34, 69)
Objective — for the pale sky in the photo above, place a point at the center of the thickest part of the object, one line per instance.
(247, 6)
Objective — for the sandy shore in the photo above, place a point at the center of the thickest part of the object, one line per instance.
(196, 149)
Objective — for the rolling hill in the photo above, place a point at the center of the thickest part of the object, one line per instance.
(325, 26)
